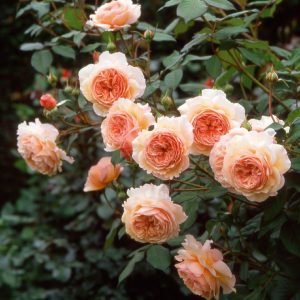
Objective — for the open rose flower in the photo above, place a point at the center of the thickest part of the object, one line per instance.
(203, 269)
(102, 174)
(266, 121)
(150, 216)
(37, 145)
(110, 79)
(164, 151)
(124, 121)
(115, 15)
(212, 115)
(250, 163)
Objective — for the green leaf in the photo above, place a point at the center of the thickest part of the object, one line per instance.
(65, 51)
(169, 4)
(163, 37)
(293, 116)
(191, 209)
(73, 17)
(228, 32)
(213, 66)
(90, 47)
(290, 237)
(296, 164)
(41, 8)
(223, 4)
(197, 40)
(31, 46)
(173, 79)
(111, 235)
(191, 9)
(253, 56)
(130, 266)
(159, 257)
(41, 61)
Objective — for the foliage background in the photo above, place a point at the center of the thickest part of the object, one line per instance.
(52, 234)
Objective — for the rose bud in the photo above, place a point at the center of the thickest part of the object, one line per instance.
(48, 102)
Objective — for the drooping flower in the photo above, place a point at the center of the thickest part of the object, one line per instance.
(164, 151)
(124, 121)
(212, 115)
(203, 269)
(150, 216)
(102, 174)
(37, 145)
(115, 15)
(250, 163)
(110, 79)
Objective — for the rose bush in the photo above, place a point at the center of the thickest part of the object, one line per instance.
(193, 163)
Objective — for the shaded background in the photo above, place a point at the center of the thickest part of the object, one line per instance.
(17, 104)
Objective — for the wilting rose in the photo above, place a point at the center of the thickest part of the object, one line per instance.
(110, 79)
(212, 115)
(48, 102)
(124, 121)
(164, 150)
(203, 270)
(101, 175)
(250, 163)
(150, 216)
(266, 121)
(115, 15)
(36, 144)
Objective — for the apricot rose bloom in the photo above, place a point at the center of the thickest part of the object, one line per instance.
(102, 174)
(115, 15)
(110, 79)
(266, 121)
(203, 269)
(164, 151)
(150, 216)
(37, 145)
(124, 121)
(212, 115)
(250, 163)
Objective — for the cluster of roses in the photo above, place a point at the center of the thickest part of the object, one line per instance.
(248, 163)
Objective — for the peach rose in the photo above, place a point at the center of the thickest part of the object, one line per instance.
(164, 150)
(115, 15)
(150, 216)
(110, 79)
(203, 270)
(101, 175)
(124, 121)
(212, 115)
(36, 144)
(250, 163)
(266, 121)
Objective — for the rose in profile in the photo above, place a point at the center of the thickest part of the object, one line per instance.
(110, 79)
(203, 269)
(115, 15)
(150, 216)
(101, 175)
(250, 163)
(212, 115)
(164, 150)
(124, 121)
(264, 122)
(37, 145)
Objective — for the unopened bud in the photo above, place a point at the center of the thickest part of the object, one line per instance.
(272, 76)
(122, 195)
(96, 55)
(246, 125)
(68, 89)
(167, 101)
(52, 79)
(75, 92)
(228, 88)
(48, 102)
(148, 35)
(209, 83)
(111, 46)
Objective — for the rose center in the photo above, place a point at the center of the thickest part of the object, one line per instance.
(209, 126)
(108, 86)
